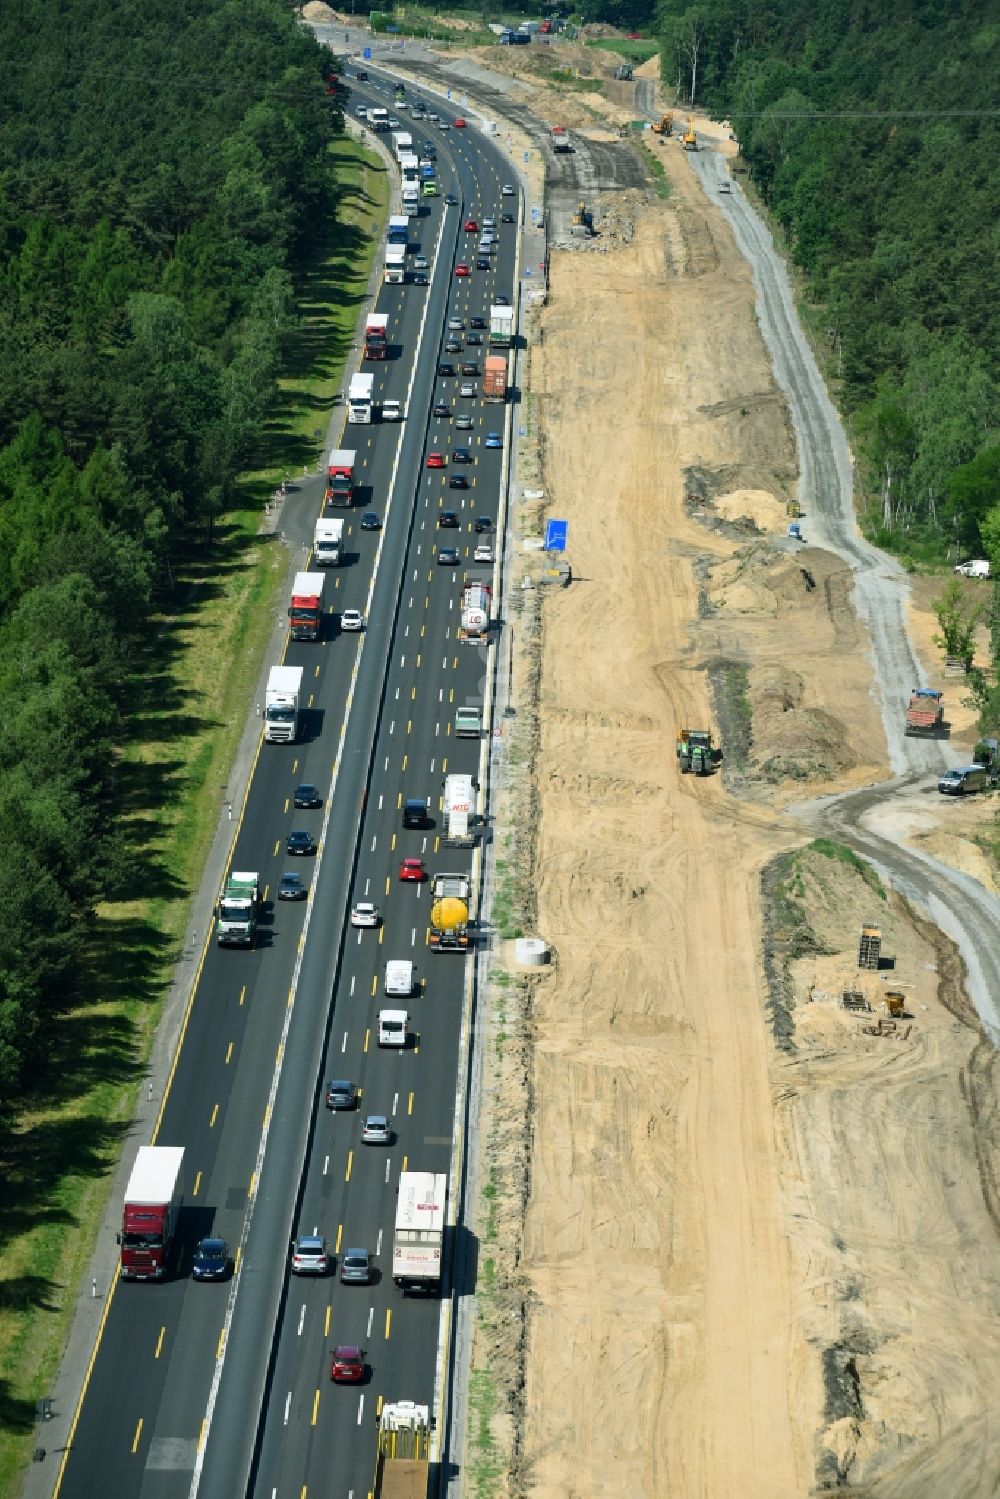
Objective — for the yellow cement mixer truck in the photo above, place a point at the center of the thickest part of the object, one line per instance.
(450, 913)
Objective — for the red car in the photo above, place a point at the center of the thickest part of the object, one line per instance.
(459, 123)
(412, 869)
(347, 1365)
(461, 269)
(435, 460)
(471, 227)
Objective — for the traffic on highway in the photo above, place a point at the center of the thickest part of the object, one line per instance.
(297, 1276)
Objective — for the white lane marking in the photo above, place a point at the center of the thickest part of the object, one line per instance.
(395, 1104)
(413, 936)
(371, 1316)
(326, 1164)
(302, 1318)
(361, 1409)
(288, 1402)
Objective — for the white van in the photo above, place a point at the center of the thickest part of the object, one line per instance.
(392, 1027)
(399, 977)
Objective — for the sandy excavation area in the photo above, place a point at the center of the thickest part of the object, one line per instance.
(759, 1252)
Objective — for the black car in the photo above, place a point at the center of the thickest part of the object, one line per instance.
(420, 278)
(341, 1094)
(448, 519)
(451, 200)
(307, 796)
(506, 218)
(300, 843)
(500, 300)
(361, 75)
(415, 808)
(482, 264)
(211, 1260)
(458, 481)
(448, 557)
(453, 346)
(478, 322)
(470, 367)
(474, 339)
(483, 524)
(441, 408)
(291, 887)
(369, 522)
(461, 455)
(445, 368)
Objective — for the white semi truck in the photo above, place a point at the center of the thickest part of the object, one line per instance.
(359, 399)
(395, 264)
(418, 1236)
(328, 542)
(459, 811)
(281, 704)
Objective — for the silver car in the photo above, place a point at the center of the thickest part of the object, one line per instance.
(356, 1268)
(376, 1130)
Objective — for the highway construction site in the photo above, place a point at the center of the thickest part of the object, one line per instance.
(740, 1233)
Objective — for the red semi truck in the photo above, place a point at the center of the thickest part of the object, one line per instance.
(377, 335)
(306, 611)
(495, 378)
(153, 1201)
(340, 477)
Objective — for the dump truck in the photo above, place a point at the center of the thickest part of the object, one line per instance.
(328, 542)
(459, 807)
(501, 327)
(418, 1234)
(559, 136)
(468, 723)
(377, 335)
(402, 1459)
(474, 620)
(305, 612)
(495, 378)
(449, 913)
(153, 1200)
(623, 72)
(695, 752)
(237, 910)
(924, 714)
(281, 704)
(340, 477)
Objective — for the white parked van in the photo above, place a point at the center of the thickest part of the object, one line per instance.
(976, 567)
(393, 1026)
(399, 977)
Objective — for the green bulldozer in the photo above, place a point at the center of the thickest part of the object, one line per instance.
(695, 752)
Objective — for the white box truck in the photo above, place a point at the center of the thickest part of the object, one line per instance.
(459, 811)
(418, 1235)
(402, 143)
(410, 199)
(359, 399)
(328, 543)
(281, 704)
(395, 264)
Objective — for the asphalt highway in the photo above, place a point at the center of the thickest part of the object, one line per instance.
(182, 1371)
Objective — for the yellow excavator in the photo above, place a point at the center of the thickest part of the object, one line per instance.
(690, 140)
(665, 125)
(582, 221)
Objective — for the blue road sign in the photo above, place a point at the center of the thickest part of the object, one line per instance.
(555, 535)
(367, 54)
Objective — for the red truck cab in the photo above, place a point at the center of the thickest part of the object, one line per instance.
(153, 1200)
(377, 335)
(340, 477)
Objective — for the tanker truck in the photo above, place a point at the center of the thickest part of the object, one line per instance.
(474, 624)
(449, 913)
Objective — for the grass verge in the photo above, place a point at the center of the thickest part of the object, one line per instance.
(635, 50)
(189, 705)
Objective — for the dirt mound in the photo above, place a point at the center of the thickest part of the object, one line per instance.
(315, 10)
(790, 740)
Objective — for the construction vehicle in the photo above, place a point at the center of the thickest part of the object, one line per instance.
(924, 714)
(695, 752)
(238, 910)
(793, 510)
(987, 754)
(665, 125)
(582, 222)
(449, 913)
(689, 139)
(402, 1462)
(623, 72)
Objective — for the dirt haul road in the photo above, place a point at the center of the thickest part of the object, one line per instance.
(708, 1207)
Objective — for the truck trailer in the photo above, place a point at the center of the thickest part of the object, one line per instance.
(399, 229)
(281, 704)
(153, 1200)
(340, 477)
(459, 808)
(501, 327)
(449, 930)
(418, 1235)
(237, 910)
(474, 620)
(359, 399)
(305, 612)
(924, 714)
(395, 264)
(377, 335)
(495, 377)
(328, 542)
(402, 143)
